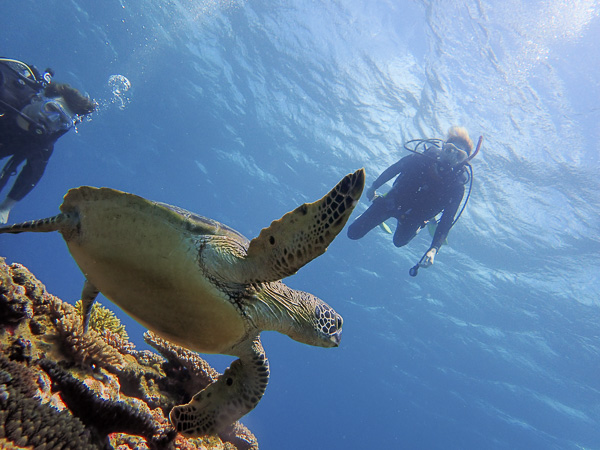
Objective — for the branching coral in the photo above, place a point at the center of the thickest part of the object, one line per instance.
(119, 343)
(25, 297)
(199, 369)
(85, 348)
(240, 436)
(34, 289)
(24, 422)
(102, 318)
(23, 378)
(105, 416)
(14, 304)
(186, 372)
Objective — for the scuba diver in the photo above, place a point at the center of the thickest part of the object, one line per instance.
(34, 113)
(430, 181)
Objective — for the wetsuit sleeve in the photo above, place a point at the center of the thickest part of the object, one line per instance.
(31, 173)
(443, 228)
(390, 173)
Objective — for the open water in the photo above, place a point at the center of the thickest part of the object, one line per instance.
(241, 110)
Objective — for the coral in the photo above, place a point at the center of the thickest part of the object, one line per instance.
(199, 370)
(23, 379)
(14, 304)
(118, 342)
(240, 436)
(22, 277)
(194, 374)
(24, 422)
(45, 310)
(147, 358)
(105, 416)
(20, 349)
(102, 318)
(7, 445)
(85, 348)
(63, 388)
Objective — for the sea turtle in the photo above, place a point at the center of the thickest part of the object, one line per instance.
(202, 285)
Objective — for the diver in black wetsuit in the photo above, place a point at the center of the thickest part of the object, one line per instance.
(34, 113)
(428, 183)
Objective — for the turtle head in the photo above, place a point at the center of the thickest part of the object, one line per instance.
(318, 323)
(300, 315)
(328, 324)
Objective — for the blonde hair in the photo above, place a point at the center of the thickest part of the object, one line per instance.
(460, 136)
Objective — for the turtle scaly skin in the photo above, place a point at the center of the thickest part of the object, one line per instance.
(233, 395)
(202, 285)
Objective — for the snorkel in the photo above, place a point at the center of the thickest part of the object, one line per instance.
(479, 142)
(438, 143)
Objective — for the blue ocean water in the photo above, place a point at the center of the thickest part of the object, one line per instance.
(241, 110)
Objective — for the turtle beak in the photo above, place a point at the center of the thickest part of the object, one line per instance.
(336, 338)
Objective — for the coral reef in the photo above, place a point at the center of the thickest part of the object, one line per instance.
(25, 422)
(61, 388)
(103, 319)
(84, 348)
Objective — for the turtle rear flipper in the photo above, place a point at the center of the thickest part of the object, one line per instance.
(55, 223)
(302, 234)
(233, 395)
(88, 297)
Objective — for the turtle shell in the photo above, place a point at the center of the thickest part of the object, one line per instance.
(146, 257)
(203, 225)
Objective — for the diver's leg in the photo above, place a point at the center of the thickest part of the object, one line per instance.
(373, 216)
(406, 231)
(7, 170)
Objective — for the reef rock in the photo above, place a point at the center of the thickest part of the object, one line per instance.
(61, 388)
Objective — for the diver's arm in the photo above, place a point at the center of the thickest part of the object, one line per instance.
(445, 223)
(442, 230)
(30, 174)
(386, 176)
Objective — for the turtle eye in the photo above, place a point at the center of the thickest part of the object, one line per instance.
(339, 321)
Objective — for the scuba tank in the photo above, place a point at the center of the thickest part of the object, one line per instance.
(27, 75)
(19, 84)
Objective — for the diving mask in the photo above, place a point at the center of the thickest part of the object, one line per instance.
(50, 114)
(450, 159)
(452, 155)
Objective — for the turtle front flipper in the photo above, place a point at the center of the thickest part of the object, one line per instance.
(302, 234)
(232, 396)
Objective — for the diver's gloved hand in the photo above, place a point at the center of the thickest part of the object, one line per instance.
(429, 258)
(5, 208)
(370, 193)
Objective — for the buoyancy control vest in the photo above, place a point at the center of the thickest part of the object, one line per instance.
(19, 83)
